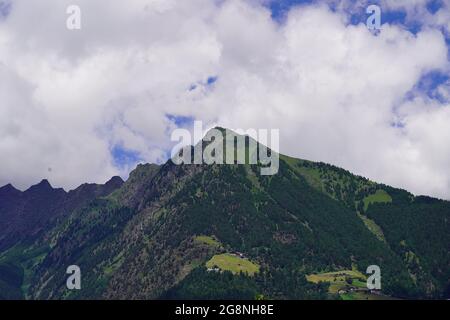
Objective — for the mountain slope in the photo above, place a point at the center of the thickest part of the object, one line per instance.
(26, 216)
(27, 213)
(153, 237)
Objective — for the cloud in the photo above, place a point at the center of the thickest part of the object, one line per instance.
(334, 89)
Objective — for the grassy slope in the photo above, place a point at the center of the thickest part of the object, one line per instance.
(338, 279)
(328, 179)
(229, 262)
(16, 269)
(208, 240)
(373, 227)
(380, 196)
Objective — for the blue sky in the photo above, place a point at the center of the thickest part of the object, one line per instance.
(280, 7)
(123, 157)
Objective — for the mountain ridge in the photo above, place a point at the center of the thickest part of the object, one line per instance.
(26, 212)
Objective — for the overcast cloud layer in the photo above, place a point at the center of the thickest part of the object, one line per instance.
(338, 93)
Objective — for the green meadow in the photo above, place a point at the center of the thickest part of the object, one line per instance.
(235, 264)
(340, 280)
(380, 196)
(207, 240)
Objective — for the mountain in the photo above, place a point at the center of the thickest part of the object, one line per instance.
(25, 214)
(225, 231)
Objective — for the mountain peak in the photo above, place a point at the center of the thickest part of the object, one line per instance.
(143, 169)
(9, 188)
(116, 181)
(44, 185)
